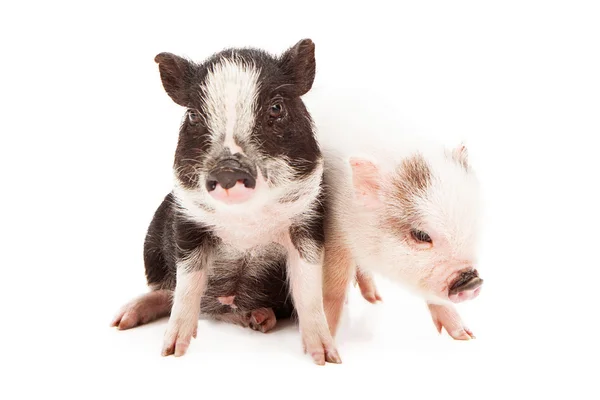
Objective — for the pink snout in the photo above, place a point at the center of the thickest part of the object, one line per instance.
(464, 295)
(230, 184)
(466, 287)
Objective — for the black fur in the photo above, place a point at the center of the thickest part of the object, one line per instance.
(308, 234)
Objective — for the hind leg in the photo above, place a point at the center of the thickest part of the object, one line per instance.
(144, 309)
(263, 319)
(338, 269)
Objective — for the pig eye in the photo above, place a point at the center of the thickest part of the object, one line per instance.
(193, 116)
(276, 110)
(420, 236)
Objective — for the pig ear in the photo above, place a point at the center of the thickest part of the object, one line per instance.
(299, 63)
(176, 74)
(461, 155)
(366, 181)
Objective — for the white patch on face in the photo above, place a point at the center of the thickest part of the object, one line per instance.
(262, 218)
(230, 94)
(452, 207)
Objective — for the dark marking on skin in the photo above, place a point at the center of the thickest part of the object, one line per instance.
(308, 235)
(409, 184)
(414, 174)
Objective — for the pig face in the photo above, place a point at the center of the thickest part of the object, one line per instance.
(246, 143)
(424, 210)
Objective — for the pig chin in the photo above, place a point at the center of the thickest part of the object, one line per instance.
(235, 195)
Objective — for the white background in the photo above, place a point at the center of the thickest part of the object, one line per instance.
(87, 140)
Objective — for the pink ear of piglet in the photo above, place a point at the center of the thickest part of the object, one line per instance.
(366, 181)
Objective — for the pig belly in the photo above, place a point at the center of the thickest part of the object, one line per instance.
(248, 284)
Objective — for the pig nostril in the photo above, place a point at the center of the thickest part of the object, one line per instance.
(228, 178)
(211, 185)
(467, 280)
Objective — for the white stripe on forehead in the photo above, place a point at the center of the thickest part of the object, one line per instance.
(230, 93)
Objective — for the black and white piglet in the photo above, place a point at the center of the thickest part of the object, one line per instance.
(245, 216)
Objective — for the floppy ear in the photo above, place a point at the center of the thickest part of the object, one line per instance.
(176, 74)
(299, 63)
(366, 181)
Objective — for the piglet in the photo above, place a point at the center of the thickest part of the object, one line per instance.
(399, 205)
(245, 216)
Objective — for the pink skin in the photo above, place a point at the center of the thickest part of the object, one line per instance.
(440, 278)
(263, 319)
(443, 274)
(448, 318)
(367, 287)
(465, 295)
(144, 309)
(227, 301)
(239, 193)
(433, 266)
(183, 322)
(235, 195)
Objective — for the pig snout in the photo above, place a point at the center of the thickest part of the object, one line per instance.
(466, 287)
(230, 182)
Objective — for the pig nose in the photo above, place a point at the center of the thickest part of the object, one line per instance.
(468, 280)
(227, 177)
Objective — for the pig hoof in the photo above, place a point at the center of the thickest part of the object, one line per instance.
(332, 356)
(263, 319)
(318, 357)
(178, 337)
(372, 297)
(367, 286)
(446, 317)
(142, 310)
(126, 319)
(462, 334)
(321, 350)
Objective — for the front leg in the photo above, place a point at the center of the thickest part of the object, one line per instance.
(183, 322)
(367, 286)
(305, 264)
(446, 316)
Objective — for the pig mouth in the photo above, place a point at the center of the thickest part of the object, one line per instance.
(466, 287)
